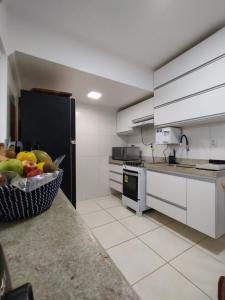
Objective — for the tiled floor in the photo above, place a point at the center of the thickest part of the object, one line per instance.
(159, 257)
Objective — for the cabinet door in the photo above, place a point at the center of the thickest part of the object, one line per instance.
(201, 206)
(167, 187)
(210, 104)
(143, 109)
(124, 121)
(202, 53)
(207, 77)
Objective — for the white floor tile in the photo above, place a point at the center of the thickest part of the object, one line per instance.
(215, 248)
(135, 260)
(119, 212)
(167, 284)
(189, 234)
(87, 206)
(139, 224)
(112, 234)
(157, 217)
(202, 269)
(165, 243)
(109, 202)
(97, 218)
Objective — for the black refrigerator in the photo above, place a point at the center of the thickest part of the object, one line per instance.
(48, 121)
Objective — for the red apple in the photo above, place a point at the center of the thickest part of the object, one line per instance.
(34, 172)
(28, 166)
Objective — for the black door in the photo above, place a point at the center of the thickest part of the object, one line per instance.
(49, 121)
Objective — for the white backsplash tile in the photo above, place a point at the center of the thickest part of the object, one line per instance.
(200, 139)
(96, 135)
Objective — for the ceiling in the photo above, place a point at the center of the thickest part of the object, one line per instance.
(34, 72)
(149, 32)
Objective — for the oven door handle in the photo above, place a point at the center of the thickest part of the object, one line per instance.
(129, 173)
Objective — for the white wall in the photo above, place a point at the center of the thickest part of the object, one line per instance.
(3, 75)
(95, 131)
(201, 139)
(74, 53)
(3, 95)
(3, 27)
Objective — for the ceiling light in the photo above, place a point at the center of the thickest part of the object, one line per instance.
(94, 95)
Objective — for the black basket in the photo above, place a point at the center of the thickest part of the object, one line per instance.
(16, 204)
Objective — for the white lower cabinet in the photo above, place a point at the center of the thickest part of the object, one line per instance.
(168, 209)
(201, 206)
(115, 186)
(116, 177)
(167, 193)
(198, 203)
(167, 187)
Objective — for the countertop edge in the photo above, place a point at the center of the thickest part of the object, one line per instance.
(206, 175)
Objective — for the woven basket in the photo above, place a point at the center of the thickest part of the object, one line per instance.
(16, 204)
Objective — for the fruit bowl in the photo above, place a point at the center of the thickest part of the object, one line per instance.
(16, 204)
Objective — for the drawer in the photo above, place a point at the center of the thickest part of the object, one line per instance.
(116, 168)
(167, 187)
(170, 210)
(115, 176)
(116, 186)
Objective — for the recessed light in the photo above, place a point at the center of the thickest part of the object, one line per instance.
(94, 95)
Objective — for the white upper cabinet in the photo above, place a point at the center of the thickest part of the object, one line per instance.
(209, 49)
(124, 121)
(193, 110)
(210, 76)
(191, 88)
(126, 116)
(143, 109)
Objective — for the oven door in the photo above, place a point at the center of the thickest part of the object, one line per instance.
(130, 184)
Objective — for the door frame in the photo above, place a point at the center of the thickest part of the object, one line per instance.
(3, 92)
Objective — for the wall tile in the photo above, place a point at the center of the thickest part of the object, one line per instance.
(200, 138)
(96, 135)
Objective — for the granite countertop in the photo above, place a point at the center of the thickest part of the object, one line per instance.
(182, 171)
(185, 171)
(115, 162)
(59, 256)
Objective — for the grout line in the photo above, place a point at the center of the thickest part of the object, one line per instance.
(88, 213)
(138, 237)
(120, 244)
(190, 281)
(206, 253)
(136, 282)
(153, 250)
(95, 227)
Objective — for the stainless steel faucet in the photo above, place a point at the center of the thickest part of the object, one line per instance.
(186, 139)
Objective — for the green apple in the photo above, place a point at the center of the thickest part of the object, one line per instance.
(13, 165)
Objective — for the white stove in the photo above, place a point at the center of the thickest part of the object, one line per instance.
(134, 183)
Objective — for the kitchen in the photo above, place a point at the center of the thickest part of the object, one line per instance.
(150, 173)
